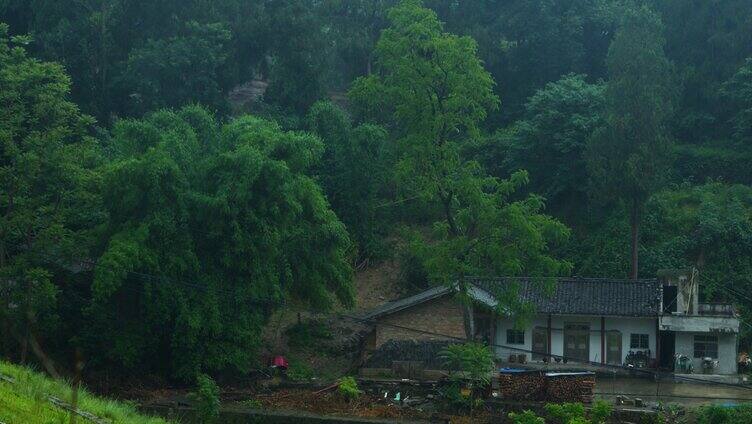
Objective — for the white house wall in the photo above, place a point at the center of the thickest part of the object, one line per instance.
(626, 325)
(727, 351)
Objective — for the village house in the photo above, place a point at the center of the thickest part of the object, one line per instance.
(654, 323)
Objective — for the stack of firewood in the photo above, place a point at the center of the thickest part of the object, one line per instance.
(570, 388)
(522, 386)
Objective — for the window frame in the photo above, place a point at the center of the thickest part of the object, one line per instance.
(515, 337)
(707, 341)
(641, 337)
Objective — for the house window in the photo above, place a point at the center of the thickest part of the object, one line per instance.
(639, 341)
(515, 337)
(706, 346)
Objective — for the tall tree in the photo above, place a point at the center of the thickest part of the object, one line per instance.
(357, 25)
(300, 53)
(174, 71)
(629, 157)
(738, 90)
(210, 230)
(549, 142)
(354, 173)
(48, 181)
(707, 226)
(439, 94)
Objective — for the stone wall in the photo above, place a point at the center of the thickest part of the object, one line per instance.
(442, 316)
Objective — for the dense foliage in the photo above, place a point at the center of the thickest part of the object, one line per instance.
(173, 172)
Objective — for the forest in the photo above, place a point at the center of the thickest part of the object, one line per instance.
(173, 172)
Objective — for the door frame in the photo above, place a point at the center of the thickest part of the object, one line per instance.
(577, 329)
(618, 336)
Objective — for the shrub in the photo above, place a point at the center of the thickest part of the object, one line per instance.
(565, 413)
(252, 404)
(717, 414)
(475, 360)
(526, 417)
(348, 388)
(307, 335)
(299, 371)
(600, 412)
(207, 397)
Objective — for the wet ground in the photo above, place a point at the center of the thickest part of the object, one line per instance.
(685, 393)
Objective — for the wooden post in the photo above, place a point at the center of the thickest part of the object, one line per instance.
(657, 341)
(603, 340)
(548, 330)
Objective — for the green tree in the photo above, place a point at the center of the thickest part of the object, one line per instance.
(694, 28)
(630, 156)
(439, 93)
(211, 229)
(207, 397)
(48, 181)
(357, 25)
(739, 91)
(526, 44)
(354, 172)
(174, 71)
(709, 227)
(300, 50)
(549, 142)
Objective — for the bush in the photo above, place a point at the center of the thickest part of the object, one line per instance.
(299, 371)
(574, 413)
(475, 360)
(348, 388)
(207, 397)
(526, 417)
(565, 413)
(252, 404)
(307, 335)
(716, 414)
(600, 412)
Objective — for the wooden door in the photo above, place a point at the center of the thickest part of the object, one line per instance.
(577, 342)
(613, 347)
(540, 343)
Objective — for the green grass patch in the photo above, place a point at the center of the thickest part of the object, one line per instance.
(26, 402)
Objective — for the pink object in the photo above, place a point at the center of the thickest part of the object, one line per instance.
(279, 362)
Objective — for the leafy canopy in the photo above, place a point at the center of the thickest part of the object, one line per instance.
(48, 186)
(354, 174)
(437, 93)
(549, 142)
(232, 224)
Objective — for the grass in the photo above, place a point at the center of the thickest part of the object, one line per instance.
(26, 401)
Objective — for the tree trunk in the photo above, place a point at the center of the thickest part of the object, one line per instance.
(634, 221)
(467, 312)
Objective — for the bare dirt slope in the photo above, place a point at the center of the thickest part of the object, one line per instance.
(376, 285)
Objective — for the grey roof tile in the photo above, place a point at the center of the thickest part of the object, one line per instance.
(584, 296)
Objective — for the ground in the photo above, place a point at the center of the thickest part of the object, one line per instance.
(24, 399)
(324, 346)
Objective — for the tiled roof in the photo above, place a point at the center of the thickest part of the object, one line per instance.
(570, 296)
(398, 305)
(583, 296)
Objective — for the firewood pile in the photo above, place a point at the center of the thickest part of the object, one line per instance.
(427, 352)
(575, 387)
(549, 387)
(522, 386)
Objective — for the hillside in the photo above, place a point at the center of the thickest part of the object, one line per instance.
(28, 397)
